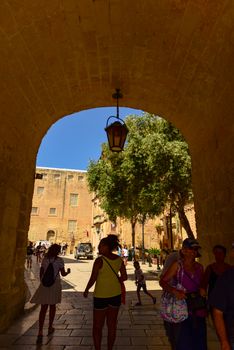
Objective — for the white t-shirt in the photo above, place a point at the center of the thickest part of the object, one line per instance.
(125, 252)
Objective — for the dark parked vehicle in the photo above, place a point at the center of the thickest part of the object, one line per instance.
(84, 250)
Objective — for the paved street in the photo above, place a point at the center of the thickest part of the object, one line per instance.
(139, 328)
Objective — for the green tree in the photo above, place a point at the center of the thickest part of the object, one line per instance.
(152, 171)
(168, 163)
(178, 176)
(119, 181)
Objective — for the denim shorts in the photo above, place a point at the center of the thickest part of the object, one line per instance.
(104, 303)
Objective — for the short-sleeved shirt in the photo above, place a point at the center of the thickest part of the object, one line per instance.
(138, 276)
(58, 264)
(222, 298)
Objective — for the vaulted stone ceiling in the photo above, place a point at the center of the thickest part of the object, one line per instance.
(170, 57)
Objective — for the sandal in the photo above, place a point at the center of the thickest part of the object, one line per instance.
(39, 339)
(51, 330)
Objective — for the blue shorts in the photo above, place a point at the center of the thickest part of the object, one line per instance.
(104, 303)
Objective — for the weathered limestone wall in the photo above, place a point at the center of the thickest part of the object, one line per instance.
(213, 183)
(16, 185)
(58, 185)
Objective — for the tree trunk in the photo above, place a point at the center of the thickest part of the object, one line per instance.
(133, 224)
(184, 222)
(143, 240)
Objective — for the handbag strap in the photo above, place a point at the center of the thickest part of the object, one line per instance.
(180, 273)
(112, 268)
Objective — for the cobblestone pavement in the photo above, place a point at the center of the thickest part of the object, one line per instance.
(139, 328)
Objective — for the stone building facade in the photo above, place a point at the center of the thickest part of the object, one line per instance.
(61, 208)
(156, 233)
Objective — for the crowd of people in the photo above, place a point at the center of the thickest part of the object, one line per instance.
(39, 250)
(205, 292)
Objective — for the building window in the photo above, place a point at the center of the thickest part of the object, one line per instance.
(71, 225)
(70, 177)
(52, 211)
(56, 176)
(44, 176)
(80, 178)
(34, 211)
(40, 190)
(73, 199)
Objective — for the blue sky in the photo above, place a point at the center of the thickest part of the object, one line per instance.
(74, 140)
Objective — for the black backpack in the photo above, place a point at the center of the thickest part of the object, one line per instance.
(29, 250)
(48, 278)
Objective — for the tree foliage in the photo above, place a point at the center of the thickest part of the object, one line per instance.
(153, 170)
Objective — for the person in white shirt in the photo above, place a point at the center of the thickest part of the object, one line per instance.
(140, 282)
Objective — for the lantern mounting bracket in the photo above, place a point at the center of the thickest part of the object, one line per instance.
(116, 95)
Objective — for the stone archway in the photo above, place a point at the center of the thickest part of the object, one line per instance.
(173, 58)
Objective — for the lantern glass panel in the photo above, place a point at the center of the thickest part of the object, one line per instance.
(116, 134)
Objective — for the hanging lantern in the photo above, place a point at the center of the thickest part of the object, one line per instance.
(117, 131)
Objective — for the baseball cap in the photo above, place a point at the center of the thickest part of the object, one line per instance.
(190, 243)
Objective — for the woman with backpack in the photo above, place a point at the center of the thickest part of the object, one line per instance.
(49, 292)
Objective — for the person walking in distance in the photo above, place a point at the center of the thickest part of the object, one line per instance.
(107, 292)
(30, 252)
(125, 254)
(140, 282)
(38, 252)
(47, 295)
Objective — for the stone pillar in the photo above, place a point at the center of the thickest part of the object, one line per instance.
(15, 206)
(213, 178)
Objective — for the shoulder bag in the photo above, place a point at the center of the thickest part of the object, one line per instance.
(195, 300)
(172, 309)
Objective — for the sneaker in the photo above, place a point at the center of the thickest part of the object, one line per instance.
(154, 300)
(138, 304)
